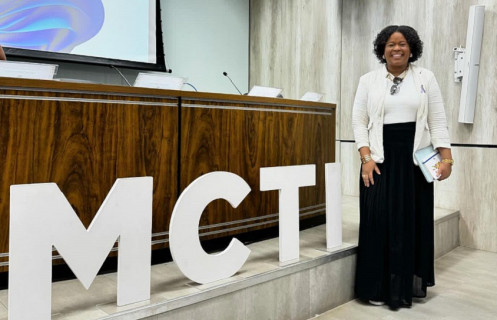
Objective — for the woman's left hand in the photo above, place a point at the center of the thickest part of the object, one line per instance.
(444, 170)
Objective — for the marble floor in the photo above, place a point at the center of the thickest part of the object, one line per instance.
(466, 288)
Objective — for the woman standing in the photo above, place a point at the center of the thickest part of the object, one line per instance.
(398, 109)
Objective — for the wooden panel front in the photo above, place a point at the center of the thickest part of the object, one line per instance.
(85, 136)
(84, 142)
(242, 138)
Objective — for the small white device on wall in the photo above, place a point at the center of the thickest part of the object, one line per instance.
(471, 64)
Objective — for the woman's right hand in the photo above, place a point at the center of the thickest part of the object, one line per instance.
(367, 172)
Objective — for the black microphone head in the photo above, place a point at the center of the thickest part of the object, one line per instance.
(234, 85)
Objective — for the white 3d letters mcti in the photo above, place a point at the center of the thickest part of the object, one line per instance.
(41, 217)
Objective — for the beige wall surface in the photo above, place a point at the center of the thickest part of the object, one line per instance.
(295, 45)
(328, 44)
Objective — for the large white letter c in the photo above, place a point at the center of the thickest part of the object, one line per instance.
(184, 241)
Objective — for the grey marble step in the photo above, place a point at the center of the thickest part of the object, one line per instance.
(263, 289)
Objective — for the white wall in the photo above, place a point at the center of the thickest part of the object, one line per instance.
(204, 38)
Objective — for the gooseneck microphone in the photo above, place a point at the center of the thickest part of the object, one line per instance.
(122, 75)
(234, 85)
(191, 85)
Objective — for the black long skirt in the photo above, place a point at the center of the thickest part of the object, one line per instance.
(395, 254)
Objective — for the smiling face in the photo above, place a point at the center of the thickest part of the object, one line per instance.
(397, 53)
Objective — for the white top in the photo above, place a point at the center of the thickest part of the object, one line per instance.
(368, 112)
(402, 106)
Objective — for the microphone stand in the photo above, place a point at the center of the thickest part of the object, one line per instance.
(234, 85)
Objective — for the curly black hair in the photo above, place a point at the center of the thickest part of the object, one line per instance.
(415, 43)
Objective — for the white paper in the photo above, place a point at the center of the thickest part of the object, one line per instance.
(27, 70)
(158, 80)
(311, 96)
(264, 92)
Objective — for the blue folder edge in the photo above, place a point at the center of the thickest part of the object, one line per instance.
(422, 154)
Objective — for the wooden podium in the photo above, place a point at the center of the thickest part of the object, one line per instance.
(85, 136)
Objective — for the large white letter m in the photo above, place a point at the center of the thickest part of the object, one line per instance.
(41, 217)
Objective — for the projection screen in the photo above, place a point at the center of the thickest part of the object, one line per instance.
(114, 32)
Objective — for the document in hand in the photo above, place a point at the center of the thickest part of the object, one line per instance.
(428, 161)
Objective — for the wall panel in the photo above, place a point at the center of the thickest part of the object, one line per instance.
(442, 26)
(295, 45)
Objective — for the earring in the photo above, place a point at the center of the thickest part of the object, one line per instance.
(383, 57)
(410, 56)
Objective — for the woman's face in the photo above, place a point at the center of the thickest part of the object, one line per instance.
(397, 51)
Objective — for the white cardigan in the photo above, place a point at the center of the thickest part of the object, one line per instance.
(368, 111)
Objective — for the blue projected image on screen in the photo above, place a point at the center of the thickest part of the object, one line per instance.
(49, 25)
(114, 29)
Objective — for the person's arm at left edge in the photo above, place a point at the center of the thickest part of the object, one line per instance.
(2, 54)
